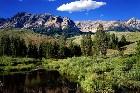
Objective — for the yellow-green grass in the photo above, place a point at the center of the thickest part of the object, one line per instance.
(98, 74)
(130, 36)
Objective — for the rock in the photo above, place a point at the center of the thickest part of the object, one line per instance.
(49, 24)
(132, 24)
(42, 23)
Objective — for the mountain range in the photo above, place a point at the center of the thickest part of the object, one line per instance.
(132, 24)
(50, 24)
(42, 23)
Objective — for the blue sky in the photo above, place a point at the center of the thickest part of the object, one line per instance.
(75, 9)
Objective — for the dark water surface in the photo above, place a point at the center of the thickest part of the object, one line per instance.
(37, 81)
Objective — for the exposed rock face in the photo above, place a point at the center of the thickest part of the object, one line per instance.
(42, 23)
(49, 24)
(132, 24)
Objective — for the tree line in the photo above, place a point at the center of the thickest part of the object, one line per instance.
(101, 42)
(17, 47)
(60, 48)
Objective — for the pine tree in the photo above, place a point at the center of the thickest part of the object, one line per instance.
(12, 47)
(83, 44)
(138, 48)
(104, 46)
(62, 44)
(23, 48)
(123, 41)
(2, 47)
(101, 41)
(89, 45)
(113, 42)
(17, 46)
(49, 50)
(46, 50)
(121, 45)
(71, 47)
(55, 49)
(86, 45)
(5, 42)
(40, 52)
(77, 50)
(32, 50)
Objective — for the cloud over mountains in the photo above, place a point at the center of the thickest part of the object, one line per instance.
(82, 5)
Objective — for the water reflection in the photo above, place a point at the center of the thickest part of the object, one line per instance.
(37, 81)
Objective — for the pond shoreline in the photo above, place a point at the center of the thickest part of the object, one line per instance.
(38, 81)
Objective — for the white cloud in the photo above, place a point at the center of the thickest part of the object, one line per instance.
(81, 5)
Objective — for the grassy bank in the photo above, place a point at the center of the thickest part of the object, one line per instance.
(9, 65)
(100, 75)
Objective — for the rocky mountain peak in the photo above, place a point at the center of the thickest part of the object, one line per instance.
(131, 20)
(47, 23)
(42, 23)
(132, 24)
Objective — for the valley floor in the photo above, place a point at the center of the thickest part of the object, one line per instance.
(112, 74)
(115, 74)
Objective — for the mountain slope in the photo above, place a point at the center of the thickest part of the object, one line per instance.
(42, 23)
(49, 24)
(132, 24)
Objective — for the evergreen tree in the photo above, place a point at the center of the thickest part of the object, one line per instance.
(2, 44)
(23, 48)
(46, 50)
(71, 47)
(101, 41)
(32, 50)
(86, 45)
(89, 45)
(74, 49)
(16, 42)
(40, 52)
(77, 50)
(104, 46)
(12, 47)
(83, 44)
(113, 42)
(5, 43)
(49, 49)
(123, 41)
(138, 47)
(55, 49)
(62, 45)
(121, 45)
